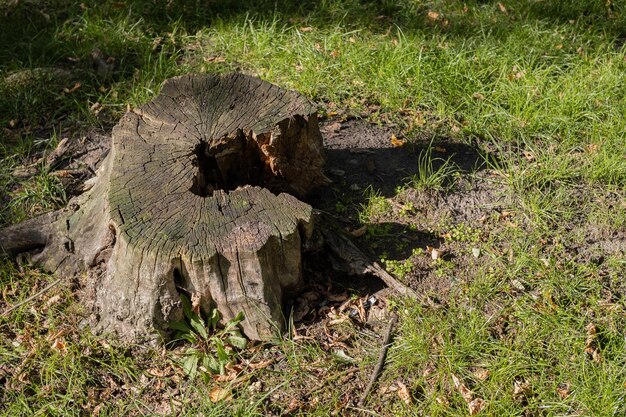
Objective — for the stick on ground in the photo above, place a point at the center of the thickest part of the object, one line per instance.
(381, 360)
(31, 298)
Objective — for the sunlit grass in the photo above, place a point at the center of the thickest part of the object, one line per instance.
(537, 87)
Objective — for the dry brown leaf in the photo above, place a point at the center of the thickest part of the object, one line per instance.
(359, 232)
(594, 354)
(294, 405)
(502, 8)
(433, 16)
(521, 390)
(334, 53)
(397, 143)
(563, 390)
(476, 406)
(59, 345)
(215, 59)
(218, 394)
(195, 302)
(442, 401)
(160, 373)
(71, 90)
(403, 393)
(529, 156)
(262, 364)
(306, 29)
(591, 345)
(481, 373)
(463, 390)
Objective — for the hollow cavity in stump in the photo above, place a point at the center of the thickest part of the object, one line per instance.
(193, 198)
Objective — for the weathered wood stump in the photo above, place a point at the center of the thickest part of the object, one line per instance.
(192, 198)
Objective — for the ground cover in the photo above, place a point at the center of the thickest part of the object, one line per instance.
(477, 150)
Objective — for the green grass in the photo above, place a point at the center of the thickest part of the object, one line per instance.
(537, 87)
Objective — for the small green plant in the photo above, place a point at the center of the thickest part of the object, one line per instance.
(213, 348)
(461, 232)
(399, 268)
(375, 207)
(430, 178)
(407, 209)
(443, 268)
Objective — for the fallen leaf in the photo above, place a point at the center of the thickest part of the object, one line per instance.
(434, 16)
(218, 394)
(71, 90)
(591, 345)
(397, 143)
(96, 107)
(341, 356)
(594, 354)
(502, 8)
(195, 302)
(403, 393)
(306, 29)
(334, 53)
(294, 405)
(521, 390)
(59, 345)
(529, 156)
(261, 365)
(463, 390)
(476, 406)
(563, 390)
(215, 59)
(53, 300)
(359, 232)
(160, 373)
(592, 148)
(442, 401)
(481, 373)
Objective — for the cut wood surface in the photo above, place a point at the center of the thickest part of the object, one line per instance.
(192, 199)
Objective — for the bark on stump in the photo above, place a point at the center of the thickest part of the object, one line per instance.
(192, 198)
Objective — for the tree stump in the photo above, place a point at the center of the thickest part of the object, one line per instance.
(194, 198)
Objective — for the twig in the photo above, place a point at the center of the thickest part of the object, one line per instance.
(31, 298)
(381, 360)
(356, 261)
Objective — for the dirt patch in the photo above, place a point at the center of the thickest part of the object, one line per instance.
(364, 159)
